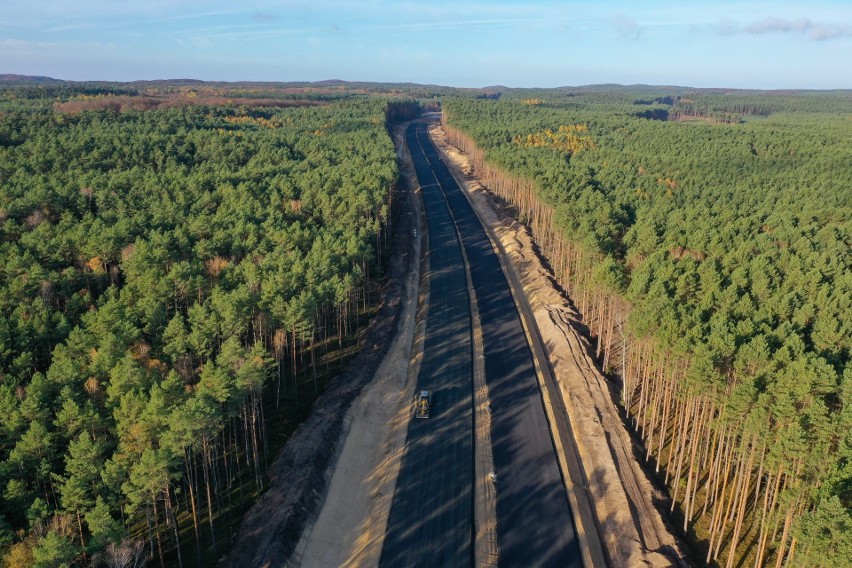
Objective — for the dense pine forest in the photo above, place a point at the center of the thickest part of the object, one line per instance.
(706, 238)
(173, 269)
(183, 265)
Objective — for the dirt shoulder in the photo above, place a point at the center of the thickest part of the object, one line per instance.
(634, 532)
(350, 525)
(299, 478)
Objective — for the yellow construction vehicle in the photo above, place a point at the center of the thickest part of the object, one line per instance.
(424, 404)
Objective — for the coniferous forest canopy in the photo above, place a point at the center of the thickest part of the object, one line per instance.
(169, 278)
(706, 240)
(182, 265)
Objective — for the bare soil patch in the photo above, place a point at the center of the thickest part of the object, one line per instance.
(350, 526)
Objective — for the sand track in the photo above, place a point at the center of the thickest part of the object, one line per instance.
(350, 526)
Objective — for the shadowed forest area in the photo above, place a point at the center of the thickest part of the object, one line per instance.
(705, 238)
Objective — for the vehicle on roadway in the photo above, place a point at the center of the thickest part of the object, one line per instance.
(424, 404)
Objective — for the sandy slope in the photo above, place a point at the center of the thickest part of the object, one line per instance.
(349, 529)
(272, 531)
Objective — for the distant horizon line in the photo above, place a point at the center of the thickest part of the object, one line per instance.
(20, 77)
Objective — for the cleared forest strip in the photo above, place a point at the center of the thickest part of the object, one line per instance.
(271, 528)
(617, 486)
(486, 545)
(349, 527)
(298, 478)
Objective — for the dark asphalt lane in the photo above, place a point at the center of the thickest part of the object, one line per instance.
(534, 521)
(431, 516)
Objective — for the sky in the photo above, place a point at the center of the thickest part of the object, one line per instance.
(464, 43)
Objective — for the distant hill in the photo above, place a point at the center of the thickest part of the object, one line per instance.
(331, 83)
(176, 82)
(417, 89)
(13, 78)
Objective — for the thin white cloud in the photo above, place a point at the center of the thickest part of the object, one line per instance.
(769, 25)
(821, 32)
(249, 32)
(802, 26)
(21, 45)
(626, 28)
(723, 28)
(265, 17)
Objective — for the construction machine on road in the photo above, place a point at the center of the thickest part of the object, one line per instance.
(424, 404)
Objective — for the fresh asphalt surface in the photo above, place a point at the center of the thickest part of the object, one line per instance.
(431, 517)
